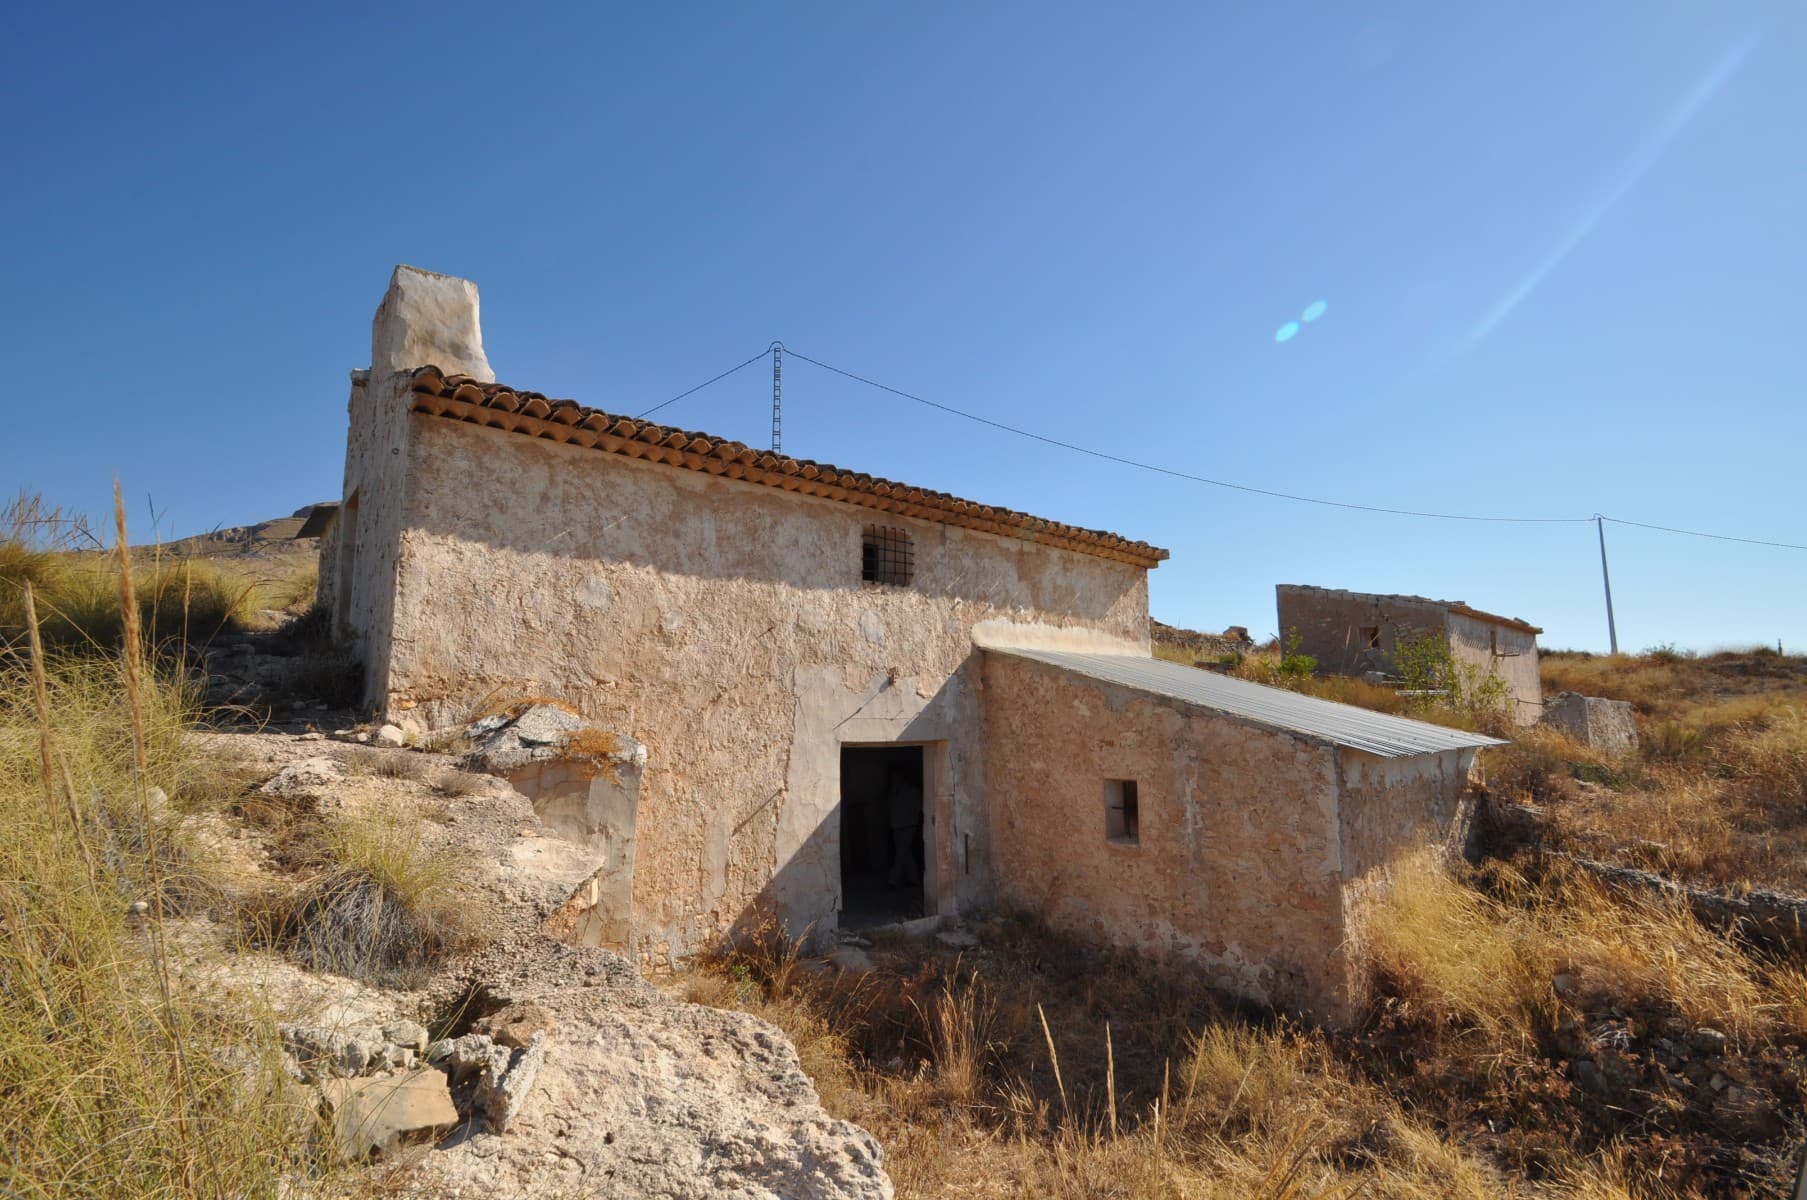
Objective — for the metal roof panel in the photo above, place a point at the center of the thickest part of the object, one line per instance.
(1323, 720)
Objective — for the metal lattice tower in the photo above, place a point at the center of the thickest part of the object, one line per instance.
(777, 397)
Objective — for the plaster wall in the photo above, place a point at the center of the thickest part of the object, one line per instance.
(1238, 863)
(1394, 809)
(424, 318)
(1511, 653)
(358, 557)
(724, 625)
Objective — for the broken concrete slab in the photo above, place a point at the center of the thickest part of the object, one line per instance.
(545, 733)
(378, 1115)
(1603, 724)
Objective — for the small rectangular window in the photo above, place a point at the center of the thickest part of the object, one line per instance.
(1371, 637)
(886, 556)
(1122, 822)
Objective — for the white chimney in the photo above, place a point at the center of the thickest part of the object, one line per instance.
(425, 320)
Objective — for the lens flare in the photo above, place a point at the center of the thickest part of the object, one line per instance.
(1286, 332)
(1314, 310)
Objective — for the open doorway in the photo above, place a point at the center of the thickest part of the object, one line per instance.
(881, 835)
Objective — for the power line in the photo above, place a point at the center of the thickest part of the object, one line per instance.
(1130, 462)
(1721, 537)
(699, 387)
(1186, 475)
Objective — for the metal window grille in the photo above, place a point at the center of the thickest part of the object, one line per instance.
(886, 556)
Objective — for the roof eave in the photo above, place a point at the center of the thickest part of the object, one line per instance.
(565, 421)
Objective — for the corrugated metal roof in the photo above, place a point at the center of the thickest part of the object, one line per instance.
(1277, 708)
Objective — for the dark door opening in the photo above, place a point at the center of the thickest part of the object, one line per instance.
(881, 835)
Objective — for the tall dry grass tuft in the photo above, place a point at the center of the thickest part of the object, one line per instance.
(75, 586)
(119, 1080)
(385, 907)
(957, 1024)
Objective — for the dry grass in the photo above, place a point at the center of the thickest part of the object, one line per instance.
(388, 764)
(382, 906)
(1717, 794)
(1486, 960)
(1727, 688)
(180, 599)
(1039, 1067)
(460, 783)
(119, 1079)
(507, 700)
(1268, 665)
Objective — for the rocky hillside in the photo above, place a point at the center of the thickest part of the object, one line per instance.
(467, 1052)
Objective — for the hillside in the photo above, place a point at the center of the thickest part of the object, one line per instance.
(300, 920)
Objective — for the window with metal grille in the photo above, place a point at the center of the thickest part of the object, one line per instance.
(886, 556)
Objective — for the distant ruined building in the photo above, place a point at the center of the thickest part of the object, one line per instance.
(858, 701)
(1359, 633)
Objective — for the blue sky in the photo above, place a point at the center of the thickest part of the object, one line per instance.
(1561, 249)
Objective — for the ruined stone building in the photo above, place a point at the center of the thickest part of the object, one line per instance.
(823, 666)
(1354, 633)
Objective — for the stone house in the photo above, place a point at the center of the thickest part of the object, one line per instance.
(1354, 633)
(853, 701)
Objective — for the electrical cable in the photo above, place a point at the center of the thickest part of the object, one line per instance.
(1721, 537)
(1130, 462)
(699, 387)
(1186, 475)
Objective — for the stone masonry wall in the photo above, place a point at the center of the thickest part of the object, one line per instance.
(1395, 808)
(1329, 623)
(1237, 867)
(724, 625)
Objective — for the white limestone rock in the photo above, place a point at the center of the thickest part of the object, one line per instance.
(642, 1095)
(304, 777)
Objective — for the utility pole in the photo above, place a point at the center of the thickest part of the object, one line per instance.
(777, 397)
(1612, 630)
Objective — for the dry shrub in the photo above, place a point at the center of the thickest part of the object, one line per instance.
(1540, 764)
(395, 764)
(511, 700)
(296, 594)
(460, 783)
(384, 909)
(178, 602)
(1046, 1067)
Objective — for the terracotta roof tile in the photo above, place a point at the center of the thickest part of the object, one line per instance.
(461, 398)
